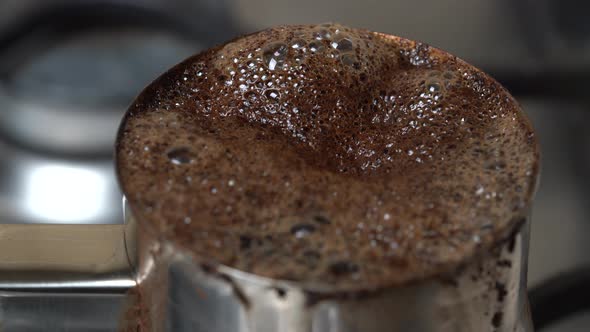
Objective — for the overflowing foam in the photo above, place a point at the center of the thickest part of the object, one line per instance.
(328, 155)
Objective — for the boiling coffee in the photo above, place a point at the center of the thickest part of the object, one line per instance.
(329, 156)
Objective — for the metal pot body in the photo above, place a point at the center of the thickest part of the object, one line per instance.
(182, 294)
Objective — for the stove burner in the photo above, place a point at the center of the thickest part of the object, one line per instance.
(70, 72)
(67, 74)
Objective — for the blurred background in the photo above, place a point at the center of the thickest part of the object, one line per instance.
(69, 69)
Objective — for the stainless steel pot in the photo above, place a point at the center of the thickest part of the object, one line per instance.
(78, 278)
(486, 294)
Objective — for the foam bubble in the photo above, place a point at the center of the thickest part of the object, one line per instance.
(302, 230)
(274, 55)
(350, 60)
(322, 34)
(343, 45)
(178, 156)
(315, 46)
(298, 43)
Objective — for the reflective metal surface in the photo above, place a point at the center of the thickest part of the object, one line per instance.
(185, 295)
(57, 312)
(41, 188)
(63, 277)
(71, 257)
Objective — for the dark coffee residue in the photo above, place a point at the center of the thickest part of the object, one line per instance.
(343, 267)
(497, 319)
(502, 292)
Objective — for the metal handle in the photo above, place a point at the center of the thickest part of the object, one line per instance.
(63, 277)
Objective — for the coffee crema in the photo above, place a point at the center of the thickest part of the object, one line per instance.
(328, 156)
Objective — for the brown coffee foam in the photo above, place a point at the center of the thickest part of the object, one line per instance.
(328, 155)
